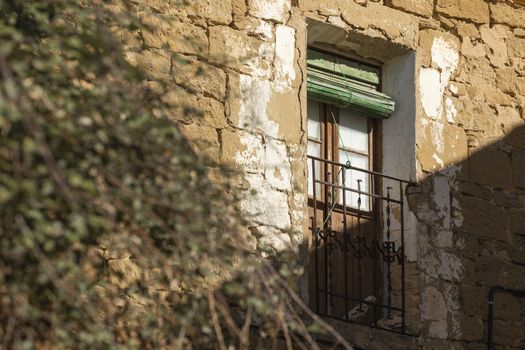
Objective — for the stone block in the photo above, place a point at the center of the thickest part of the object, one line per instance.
(265, 205)
(495, 38)
(505, 80)
(483, 219)
(516, 47)
(242, 151)
(508, 333)
(204, 141)
(467, 30)
(507, 14)
(520, 84)
(471, 328)
(239, 7)
(285, 109)
(517, 221)
(516, 139)
(191, 108)
(491, 166)
(475, 10)
(420, 7)
(219, 12)
(518, 168)
(179, 36)
(276, 10)
(153, 62)
(506, 307)
(473, 300)
(238, 50)
(199, 76)
(507, 200)
(398, 26)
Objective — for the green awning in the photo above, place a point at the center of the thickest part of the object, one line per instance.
(347, 84)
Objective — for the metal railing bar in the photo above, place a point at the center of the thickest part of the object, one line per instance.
(361, 170)
(363, 301)
(355, 191)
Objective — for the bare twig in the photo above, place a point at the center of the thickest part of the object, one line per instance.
(307, 310)
(284, 326)
(244, 339)
(215, 319)
(224, 309)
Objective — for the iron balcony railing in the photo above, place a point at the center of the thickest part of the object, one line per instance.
(357, 264)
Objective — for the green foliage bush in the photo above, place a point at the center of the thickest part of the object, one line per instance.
(111, 234)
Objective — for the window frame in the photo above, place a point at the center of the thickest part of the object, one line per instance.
(330, 146)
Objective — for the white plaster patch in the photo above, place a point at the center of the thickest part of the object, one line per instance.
(266, 206)
(276, 10)
(449, 267)
(258, 64)
(273, 239)
(445, 56)
(430, 90)
(444, 239)
(441, 197)
(277, 166)
(284, 58)
(432, 82)
(254, 97)
(434, 309)
(298, 214)
(450, 110)
(437, 136)
(264, 30)
(251, 159)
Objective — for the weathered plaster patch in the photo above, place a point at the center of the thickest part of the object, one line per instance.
(273, 239)
(446, 57)
(450, 110)
(251, 159)
(437, 136)
(258, 66)
(435, 310)
(266, 205)
(276, 10)
(284, 58)
(264, 29)
(299, 203)
(432, 82)
(277, 166)
(255, 94)
(430, 90)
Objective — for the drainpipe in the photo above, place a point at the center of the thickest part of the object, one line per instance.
(490, 327)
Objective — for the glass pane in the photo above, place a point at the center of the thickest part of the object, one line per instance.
(314, 121)
(353, 129)
(352, 177)
(314, 149)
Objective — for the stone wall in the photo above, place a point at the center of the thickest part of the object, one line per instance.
(242, 63)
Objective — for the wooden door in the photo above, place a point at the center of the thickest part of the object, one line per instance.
(343, 273)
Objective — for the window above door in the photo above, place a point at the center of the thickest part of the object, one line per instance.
(347, 84)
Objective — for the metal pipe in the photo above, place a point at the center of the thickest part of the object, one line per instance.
(490, 321)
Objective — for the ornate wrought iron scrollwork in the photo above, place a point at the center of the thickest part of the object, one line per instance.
(357, 245)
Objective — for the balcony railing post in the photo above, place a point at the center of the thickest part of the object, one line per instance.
(344, 231)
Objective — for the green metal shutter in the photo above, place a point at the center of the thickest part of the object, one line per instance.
(347, 84)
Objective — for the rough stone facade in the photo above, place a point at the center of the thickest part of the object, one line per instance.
(460, 135)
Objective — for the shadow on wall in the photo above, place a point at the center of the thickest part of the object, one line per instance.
(474, 214)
